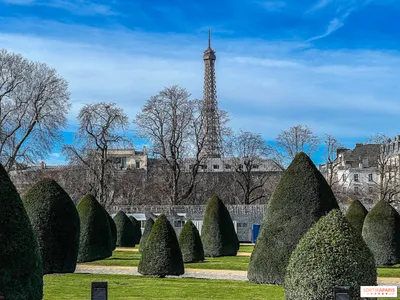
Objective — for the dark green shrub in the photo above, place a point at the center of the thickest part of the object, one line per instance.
(218, 233)
(190, 243)
(136, 229)
(95, 240)
(356, 214)
(381, 232)
(330, 254)
(161, 255)
(125, 230)
(21, 274)
(146, 232)
(113, 228)
(56, 224)
(301, 197)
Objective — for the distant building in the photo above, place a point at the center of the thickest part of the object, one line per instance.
(128, 159)
(354, 172)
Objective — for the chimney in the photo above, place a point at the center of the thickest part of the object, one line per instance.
(43, 165)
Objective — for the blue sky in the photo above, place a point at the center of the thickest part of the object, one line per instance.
(330, 64)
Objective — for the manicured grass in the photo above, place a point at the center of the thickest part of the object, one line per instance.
(78, 286)
(240, 263)
(393, 271)
(246, 248)
(131, 259)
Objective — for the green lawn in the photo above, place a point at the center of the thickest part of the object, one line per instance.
(240, 263)
(393, 271)
(131, 259)
(78, 286)
(246, 248)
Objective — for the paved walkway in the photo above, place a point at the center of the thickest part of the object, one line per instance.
(194, 273)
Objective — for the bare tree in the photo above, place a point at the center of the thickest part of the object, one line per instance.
(388, 183)
(102, 126)
(331, 145)
(34, 102)
(174, 126)
(297, 139)
(250, 154)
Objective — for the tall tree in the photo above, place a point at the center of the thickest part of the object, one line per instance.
(34, 102)
(297, 139)
(331, 145)
(174, 125)
(101, 126)
(250, 154)
(388, 184)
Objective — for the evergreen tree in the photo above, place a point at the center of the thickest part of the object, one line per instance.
(301, 197)
(56, 224)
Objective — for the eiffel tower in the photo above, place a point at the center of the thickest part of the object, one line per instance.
(210, 105)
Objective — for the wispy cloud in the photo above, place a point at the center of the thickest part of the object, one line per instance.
(265, 85)
(320, 5)
(78, 7)
(344, 8)
(335, 24)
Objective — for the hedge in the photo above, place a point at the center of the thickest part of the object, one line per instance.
(125, 230)
(331, 254)
(218, 233)
(21, 274)
(190, 243)
(136, 229)
(56, 224)
(381, 232)
(301, 197)
(356, 214)
(147, 230)
(161, 255)
(95, 240)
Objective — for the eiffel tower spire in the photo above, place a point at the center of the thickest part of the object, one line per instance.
(211, 126)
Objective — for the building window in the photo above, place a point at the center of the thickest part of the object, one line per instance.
(241, 225)
(370, 189)
(216, 166)
(227, 166)
(138, 165)
(344, 177)
(240, 167)
(255, 167)
(179, 224)
(356, 190)
(369, 177)
(356, 178)
(204, 167)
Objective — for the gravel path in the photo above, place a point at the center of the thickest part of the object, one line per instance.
(193, 273)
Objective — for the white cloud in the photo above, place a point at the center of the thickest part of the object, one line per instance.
(77, 7)
(264, 85)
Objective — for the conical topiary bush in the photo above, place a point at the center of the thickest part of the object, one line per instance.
(146, 232)
(356, 214)
(56, 224)
(218, 233)
(330, 254)
(113, 228)
(21, 274)
(381, 232)
(161, 255)
(136, 229)
(190, 243)
(301, 197)
(125, 230)
(95, 240)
